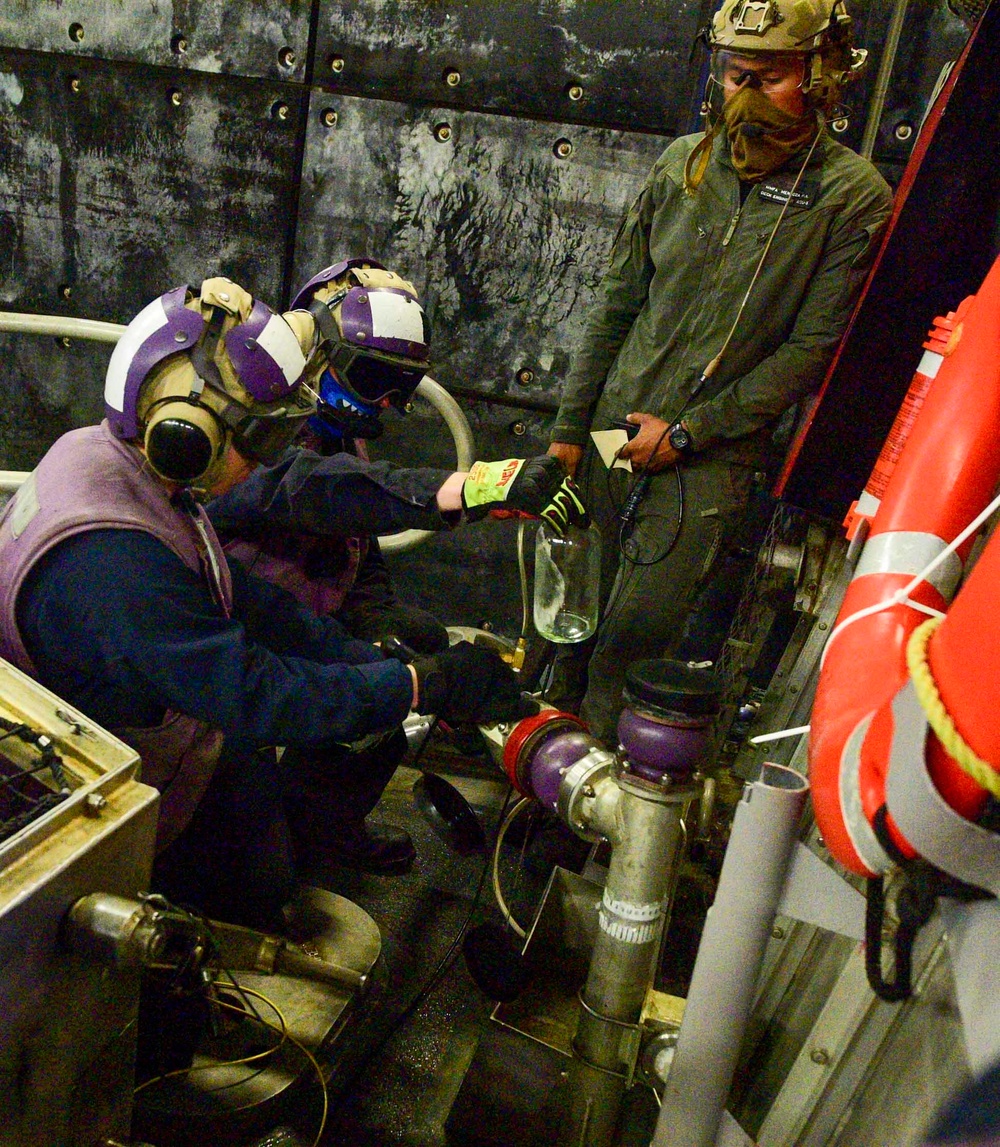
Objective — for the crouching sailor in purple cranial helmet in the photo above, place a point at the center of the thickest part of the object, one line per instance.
(310, 523)
(115, 593)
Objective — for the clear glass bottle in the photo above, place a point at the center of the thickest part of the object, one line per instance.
(567, 583)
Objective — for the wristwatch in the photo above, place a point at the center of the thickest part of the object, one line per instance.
(680, 439)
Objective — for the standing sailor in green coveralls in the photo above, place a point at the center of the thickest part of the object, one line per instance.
(731, 281)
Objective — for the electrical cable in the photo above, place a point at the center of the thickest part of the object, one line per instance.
(287, 1036)
(523, 574)
(529, 684)
(709, 370)
(282, 1031)
(638, 488)
(625, 512)
(665, 553)
(265, 1054)
(508, 916)
(23, 773)
(628, 563)
(50, 760)
(246, 1011)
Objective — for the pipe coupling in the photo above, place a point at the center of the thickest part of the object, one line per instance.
(588, 795)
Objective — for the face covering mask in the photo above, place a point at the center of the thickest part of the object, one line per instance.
(761, 136)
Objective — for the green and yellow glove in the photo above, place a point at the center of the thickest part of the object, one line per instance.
(534, 487)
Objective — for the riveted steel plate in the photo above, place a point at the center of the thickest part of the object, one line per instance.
(586, 61)
(255, 38)
(111, 193)
(505, 241)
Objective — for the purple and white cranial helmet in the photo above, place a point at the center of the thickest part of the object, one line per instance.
(374, 334)
(238, 346)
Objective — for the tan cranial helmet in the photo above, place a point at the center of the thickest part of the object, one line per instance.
(374, 334)
(818, 29)
(196, 370)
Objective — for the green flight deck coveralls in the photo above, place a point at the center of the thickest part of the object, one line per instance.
(680, 268)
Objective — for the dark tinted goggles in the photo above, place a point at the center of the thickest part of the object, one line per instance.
(371, 378)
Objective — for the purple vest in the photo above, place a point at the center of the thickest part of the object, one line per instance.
(90, 480)
(287, 559)
(284, 559)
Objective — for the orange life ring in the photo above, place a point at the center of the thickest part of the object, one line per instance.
(946, 474)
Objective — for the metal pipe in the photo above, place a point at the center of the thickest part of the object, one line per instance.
(417, 728)
(885, 66)
(645, 827)
(706, 808)
(729, 958)
(64, 326)
(12, 480)
(103, 927)
(60, 326)
(972, 931)
(465, 450)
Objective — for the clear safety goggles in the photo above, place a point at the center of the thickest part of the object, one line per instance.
(763, 71)
(264, 437)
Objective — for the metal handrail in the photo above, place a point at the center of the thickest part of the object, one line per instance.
(65, 326)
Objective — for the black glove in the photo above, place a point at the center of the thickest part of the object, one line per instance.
(467, 683)
(417, 628)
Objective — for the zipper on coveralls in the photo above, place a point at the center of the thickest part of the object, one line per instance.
(736, 216)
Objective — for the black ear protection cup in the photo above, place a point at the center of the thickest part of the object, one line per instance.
(183, 439)
(183, 436)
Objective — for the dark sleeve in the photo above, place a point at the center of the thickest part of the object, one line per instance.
(621, 296)
(274, 618)
(372, 610)
(118, 625)
(372, 587)
(339, 494)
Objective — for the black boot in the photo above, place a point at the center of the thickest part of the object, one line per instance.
(328, 795)
(382, 849)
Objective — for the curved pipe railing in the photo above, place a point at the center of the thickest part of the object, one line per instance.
(63, 326)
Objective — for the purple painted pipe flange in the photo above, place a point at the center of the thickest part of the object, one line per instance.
(552, 758)
(669, 710)
(658, 747)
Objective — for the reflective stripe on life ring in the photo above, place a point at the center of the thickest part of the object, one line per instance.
(866, 845)
(909, 552)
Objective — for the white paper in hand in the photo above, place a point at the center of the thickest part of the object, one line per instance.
(608, 443)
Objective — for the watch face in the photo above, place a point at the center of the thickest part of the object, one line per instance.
(679, 438)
